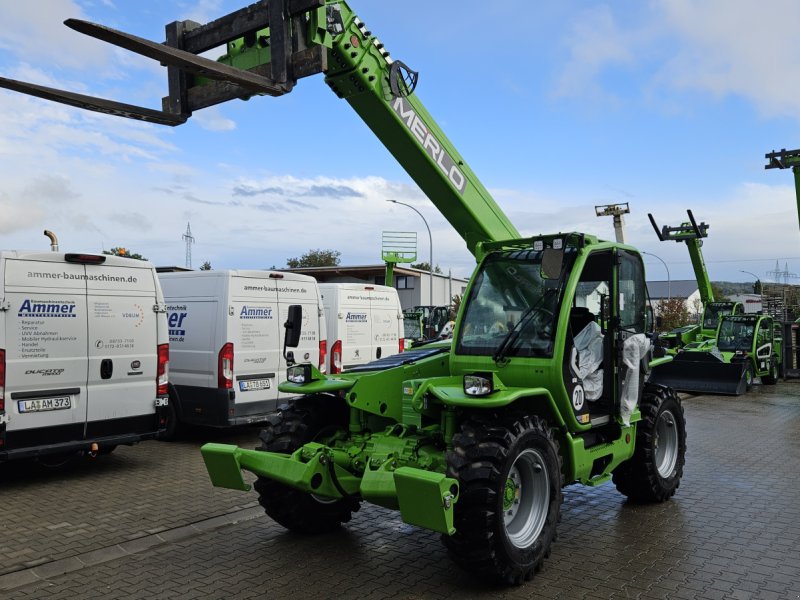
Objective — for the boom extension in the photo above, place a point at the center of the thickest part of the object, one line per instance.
(692, 234)
(186, 71)
(273, 43)
(786, 159)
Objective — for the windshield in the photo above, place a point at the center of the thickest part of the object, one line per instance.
(735, 335)
(714, 311)
(510, 287)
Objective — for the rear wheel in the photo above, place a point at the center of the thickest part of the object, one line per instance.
(654, 472)
(772, 378)
(509, 471)
(307, 419)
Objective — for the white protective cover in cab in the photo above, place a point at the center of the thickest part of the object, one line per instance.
(88, 333)
(367, 319)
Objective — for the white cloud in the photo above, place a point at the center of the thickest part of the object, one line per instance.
(212, 119)
(595, 42)
(737, 47)
(38, 35)
(717, 47)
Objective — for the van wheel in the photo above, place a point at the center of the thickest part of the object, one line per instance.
(654, 472)
(310, 418)
(174, 425)
(509, 471)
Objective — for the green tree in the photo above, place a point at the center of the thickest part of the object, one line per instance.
(206, 266)
(719, 295)
(120, 251)
(315, 258)
(673, 312)
(426, 266)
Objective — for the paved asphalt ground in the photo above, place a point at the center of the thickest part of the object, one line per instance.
(144, 523)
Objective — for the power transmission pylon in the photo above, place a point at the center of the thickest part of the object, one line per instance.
(189, 238)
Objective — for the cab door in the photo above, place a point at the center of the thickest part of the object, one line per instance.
(764, 346)
(631, 343)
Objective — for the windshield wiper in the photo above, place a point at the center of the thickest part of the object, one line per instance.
(513, 334)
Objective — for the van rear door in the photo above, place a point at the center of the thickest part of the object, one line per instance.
(386, 323)
(46, 366)
(123, 341)
(355, 327)
(255, 331)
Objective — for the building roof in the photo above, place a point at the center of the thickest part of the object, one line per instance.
(366, 271)
(676, 288)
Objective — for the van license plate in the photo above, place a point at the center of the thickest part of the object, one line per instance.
(250, 385)
(43, 404)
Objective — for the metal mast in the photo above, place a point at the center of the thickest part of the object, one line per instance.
(189, 239)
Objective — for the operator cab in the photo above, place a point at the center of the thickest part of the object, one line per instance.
(514, 311)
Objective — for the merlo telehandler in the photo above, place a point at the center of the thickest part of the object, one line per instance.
(700, 334)
(745, 347)
(544, 383)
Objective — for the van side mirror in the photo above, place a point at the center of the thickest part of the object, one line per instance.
(293, 324)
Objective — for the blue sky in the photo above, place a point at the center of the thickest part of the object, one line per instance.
(557, 107)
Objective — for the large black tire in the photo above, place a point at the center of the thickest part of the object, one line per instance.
(749, 376)
(509, 471)
(774, 373)
(654, 472)
(307, 419)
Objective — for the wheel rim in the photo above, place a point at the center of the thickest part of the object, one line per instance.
(526, 498)
(666, 444)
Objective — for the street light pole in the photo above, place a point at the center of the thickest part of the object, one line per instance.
(669, 281)
(760, 288)
(430, 244)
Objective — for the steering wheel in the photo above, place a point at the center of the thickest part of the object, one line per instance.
(498, 328)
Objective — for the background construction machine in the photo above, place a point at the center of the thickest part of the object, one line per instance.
(745, 347)
(692, 234)
(544, 383)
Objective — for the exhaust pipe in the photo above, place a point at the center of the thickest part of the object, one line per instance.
(53, 240)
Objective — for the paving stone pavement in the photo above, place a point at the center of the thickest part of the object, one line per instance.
(731, 532)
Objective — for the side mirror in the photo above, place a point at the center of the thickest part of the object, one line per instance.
(552, 260)
(291, 338)
(659, 322)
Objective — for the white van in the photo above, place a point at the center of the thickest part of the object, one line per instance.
(365, 322)
(83, 353)
(226, 335)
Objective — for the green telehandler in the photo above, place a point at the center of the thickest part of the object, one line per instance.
(786, 159)
(746, 346)
(544, 383)
(699, 335)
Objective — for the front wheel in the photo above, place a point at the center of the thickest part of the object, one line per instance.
(310, 418)
(654, 472)
(749, 376)
(509, 471)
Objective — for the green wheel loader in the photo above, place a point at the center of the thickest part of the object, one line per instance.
(544, 383)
